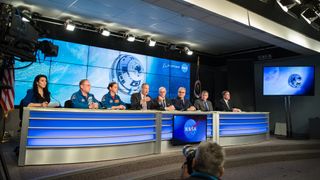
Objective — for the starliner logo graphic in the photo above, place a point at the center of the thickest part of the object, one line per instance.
(190, 128)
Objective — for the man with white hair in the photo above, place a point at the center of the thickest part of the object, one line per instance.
(208, 162)
(181, 103)
(162, 102)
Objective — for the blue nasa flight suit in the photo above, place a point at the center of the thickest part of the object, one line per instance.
(80, 101)
(108, 101)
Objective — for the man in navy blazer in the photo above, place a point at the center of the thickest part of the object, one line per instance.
(181, 103)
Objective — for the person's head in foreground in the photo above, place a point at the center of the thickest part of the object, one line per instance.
(208, 161)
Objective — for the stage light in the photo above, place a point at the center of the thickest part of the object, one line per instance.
(188, 51)
(130, 38)
(69, 25)
(290, 6)
(26, 15)
(309, 15)
(105, 32)
(151, 42)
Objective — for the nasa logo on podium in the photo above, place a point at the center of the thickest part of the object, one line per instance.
(128, 73)
(190, 128)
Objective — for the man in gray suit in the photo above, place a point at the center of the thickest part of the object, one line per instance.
(203, 104)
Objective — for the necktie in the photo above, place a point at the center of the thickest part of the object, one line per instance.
(227, 102)
(164, 103)
(206, 105)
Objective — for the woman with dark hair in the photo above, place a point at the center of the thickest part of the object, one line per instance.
(111, 100)
(39, 95)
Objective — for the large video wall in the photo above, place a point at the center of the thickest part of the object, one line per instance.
(101, 66)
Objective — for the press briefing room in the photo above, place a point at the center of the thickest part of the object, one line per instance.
(159, 89)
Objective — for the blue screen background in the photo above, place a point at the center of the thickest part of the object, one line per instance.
(280, 81)
(77, 61)
(179, 135)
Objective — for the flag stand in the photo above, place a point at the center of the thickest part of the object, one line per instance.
(5, 136)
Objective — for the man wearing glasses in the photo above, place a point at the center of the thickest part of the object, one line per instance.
(181, 103)
(84, 99)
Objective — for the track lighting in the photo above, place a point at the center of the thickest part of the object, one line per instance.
(70, 26)
(130, 38)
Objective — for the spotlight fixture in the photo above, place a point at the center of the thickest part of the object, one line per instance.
(130, 38)
(26, 15)
(309, 15)
(188, 51)
(152, 42)
(70, 26)
(312, 17)
(290, 6)
(104, 32)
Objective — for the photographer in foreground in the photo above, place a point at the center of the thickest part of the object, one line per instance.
(204, 162)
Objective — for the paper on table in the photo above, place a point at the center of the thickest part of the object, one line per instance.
(53, 104)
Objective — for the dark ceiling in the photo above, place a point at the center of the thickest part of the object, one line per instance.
(271, 10)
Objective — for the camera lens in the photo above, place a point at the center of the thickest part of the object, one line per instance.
(188, 151)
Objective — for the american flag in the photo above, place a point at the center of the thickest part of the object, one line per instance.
(7, 95)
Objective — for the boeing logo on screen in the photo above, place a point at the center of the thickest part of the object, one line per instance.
(295, 80)
(184, 68)
(190, 128)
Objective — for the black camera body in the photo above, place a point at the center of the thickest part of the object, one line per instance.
(189, 152)
(19, 38)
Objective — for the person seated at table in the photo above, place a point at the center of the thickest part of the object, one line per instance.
(111, 100)
(142, 100)
(181, 103)
(39, 95)
(84, 99)
(162, 102)
(203, 104)
(225, 103)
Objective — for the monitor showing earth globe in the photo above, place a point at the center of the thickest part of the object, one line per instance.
(288, 80)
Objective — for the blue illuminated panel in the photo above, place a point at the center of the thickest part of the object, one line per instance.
(243, 124)
(61, 129)
(209, 126)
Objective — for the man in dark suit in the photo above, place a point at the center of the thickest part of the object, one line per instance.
(203, 104)
(141, 100)
(181, 103)
(162, 102)
(225, 104)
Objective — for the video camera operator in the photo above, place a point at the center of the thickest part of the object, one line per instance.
(204, 162)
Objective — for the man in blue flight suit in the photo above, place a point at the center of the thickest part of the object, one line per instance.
(112, 100)
(83, 99)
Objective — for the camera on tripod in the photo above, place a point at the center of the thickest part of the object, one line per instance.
(189, 153)
(19, 38)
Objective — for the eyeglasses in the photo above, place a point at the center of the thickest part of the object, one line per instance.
(181, 92)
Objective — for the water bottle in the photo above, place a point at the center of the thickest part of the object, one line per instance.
(90, 101)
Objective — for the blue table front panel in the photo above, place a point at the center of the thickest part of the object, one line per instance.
(61, 129)
(242, 124)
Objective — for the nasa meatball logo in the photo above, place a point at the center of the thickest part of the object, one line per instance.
(128, 73)
(184, 68)
(190, 128)
(295, 80)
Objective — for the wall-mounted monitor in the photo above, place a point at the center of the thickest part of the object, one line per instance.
(188, 129)
(288, 80)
